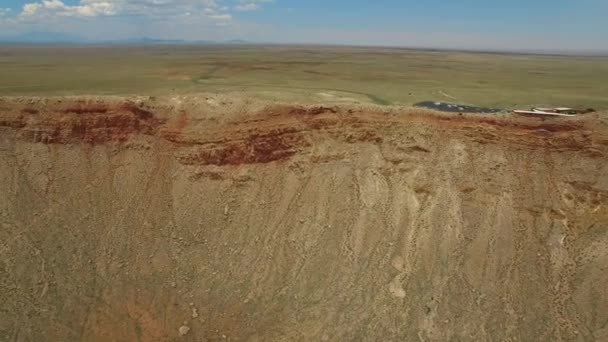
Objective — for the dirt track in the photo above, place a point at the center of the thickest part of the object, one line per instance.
(126, 219)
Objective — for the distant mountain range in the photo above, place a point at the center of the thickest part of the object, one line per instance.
(62, 38)
(46, 38)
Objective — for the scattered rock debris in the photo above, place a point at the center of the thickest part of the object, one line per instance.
(184, 330)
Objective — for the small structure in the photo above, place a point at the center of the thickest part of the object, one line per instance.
(559, 111)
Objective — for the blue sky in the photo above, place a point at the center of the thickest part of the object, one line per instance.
(481, 24)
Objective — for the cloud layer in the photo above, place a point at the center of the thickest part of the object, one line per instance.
(118, 19)
(250, 5)
(87, 8)
(147, 8)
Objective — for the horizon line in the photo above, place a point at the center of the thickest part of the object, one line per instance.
(146, 41)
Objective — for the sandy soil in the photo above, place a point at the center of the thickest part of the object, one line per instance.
(214, 218)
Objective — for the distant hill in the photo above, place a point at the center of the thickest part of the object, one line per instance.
(144, 40)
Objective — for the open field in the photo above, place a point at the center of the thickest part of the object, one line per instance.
(309, 74)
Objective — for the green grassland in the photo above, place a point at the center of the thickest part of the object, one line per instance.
(308, 74)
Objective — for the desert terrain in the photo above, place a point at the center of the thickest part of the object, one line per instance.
(211, 217)
(308, 74)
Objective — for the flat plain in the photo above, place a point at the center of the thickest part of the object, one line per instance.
(221, 204)
(308, 74)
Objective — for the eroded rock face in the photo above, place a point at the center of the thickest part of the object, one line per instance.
(119, 216)
(80, 122)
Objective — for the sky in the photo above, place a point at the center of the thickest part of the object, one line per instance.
(565, 25)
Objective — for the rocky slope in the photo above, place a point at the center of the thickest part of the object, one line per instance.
(209, 218)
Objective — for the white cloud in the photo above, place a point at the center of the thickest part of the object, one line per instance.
(247, 7)
(222, 17)
(30, 9)
(4, 11)
(53, 4)
(147, 8)
(250, 5)
(58, 8)
(119, 19)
